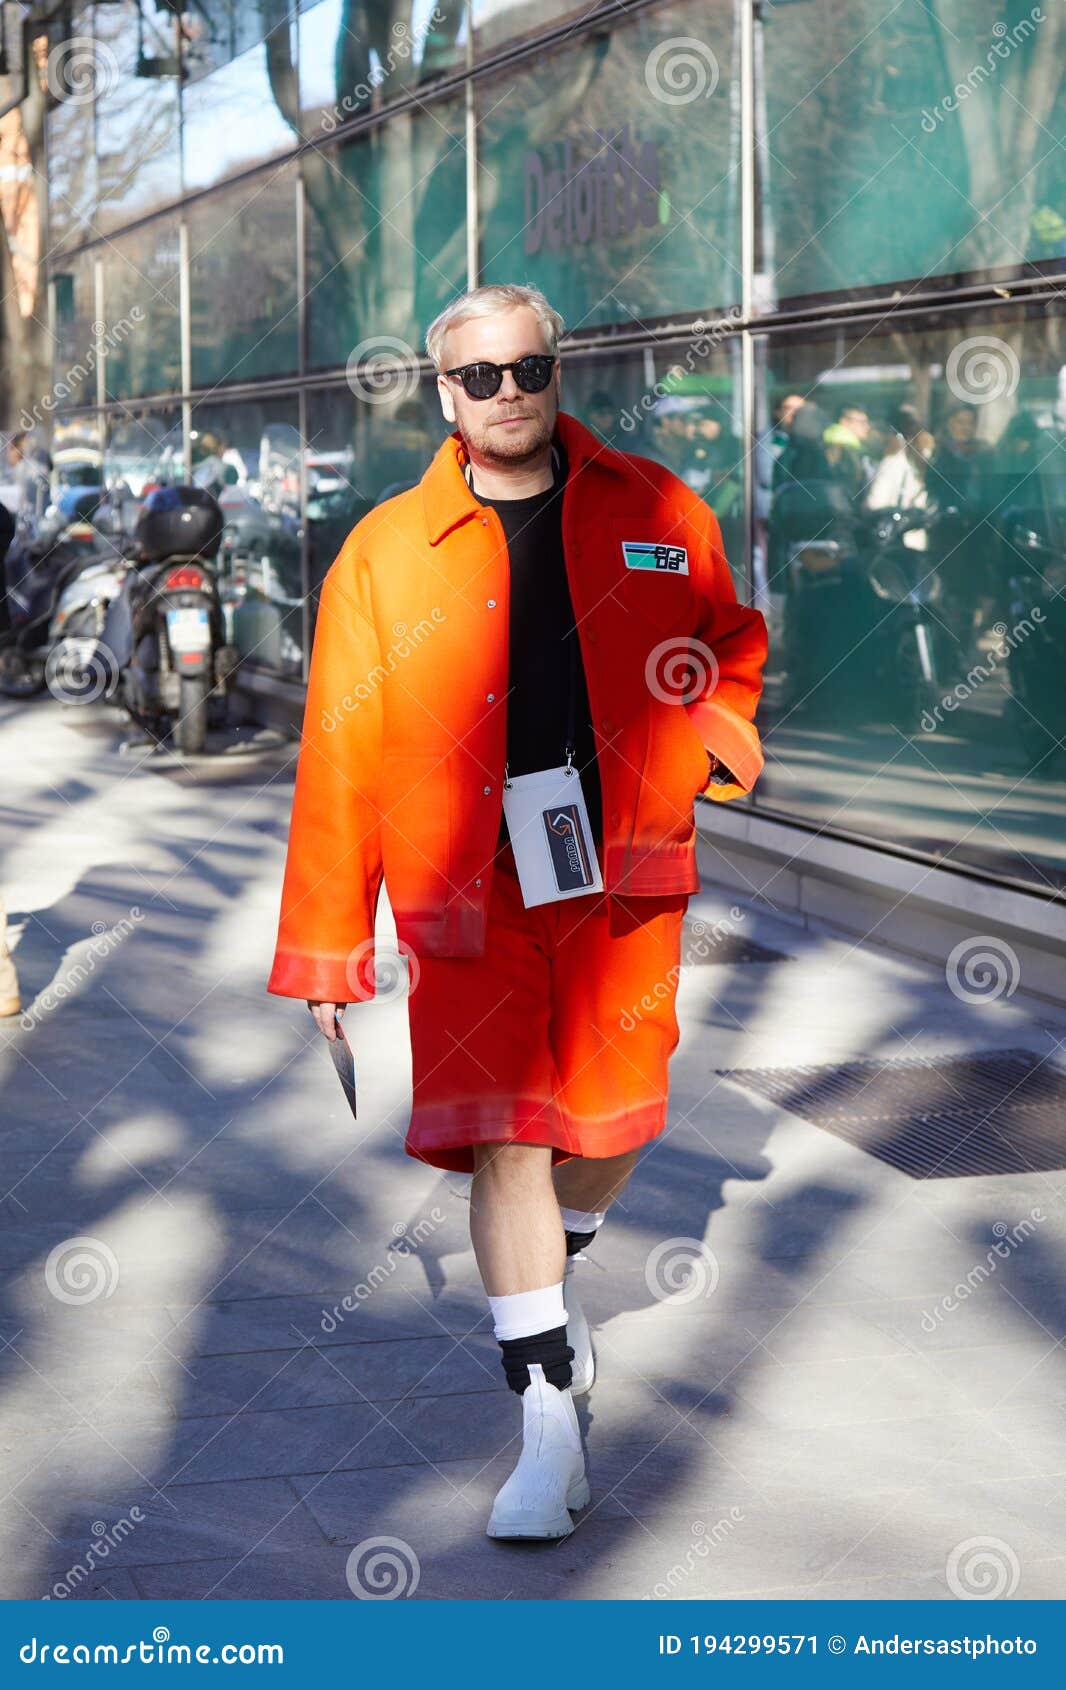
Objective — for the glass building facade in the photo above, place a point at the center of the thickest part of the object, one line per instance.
(809, 253)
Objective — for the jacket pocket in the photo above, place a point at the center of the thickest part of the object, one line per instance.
(654, 585)
(416, 822)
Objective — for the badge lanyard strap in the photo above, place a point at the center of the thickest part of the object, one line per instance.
(571, 711)
(571, 705)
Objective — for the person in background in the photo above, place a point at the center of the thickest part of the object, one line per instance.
(899, 482)
(769, 445)
(602, 414)
(33, 471)
(847, 449)
(671, 432)
(958, 483)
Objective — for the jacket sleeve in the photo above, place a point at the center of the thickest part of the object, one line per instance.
(734, 636)
(333, 870)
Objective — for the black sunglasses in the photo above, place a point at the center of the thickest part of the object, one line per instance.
(480, 381)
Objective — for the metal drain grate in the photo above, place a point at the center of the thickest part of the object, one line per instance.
(702, 948)
(1000, 1112)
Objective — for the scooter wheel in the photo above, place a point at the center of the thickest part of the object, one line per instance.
(190, 729)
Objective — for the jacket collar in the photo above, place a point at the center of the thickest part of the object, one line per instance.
(448, 501)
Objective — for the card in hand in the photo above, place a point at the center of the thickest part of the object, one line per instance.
(344, 1062)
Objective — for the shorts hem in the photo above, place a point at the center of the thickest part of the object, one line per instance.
(448, 1142)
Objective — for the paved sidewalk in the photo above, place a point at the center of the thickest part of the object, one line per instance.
(817, 1376)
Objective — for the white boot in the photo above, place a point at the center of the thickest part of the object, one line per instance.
(578, 1335)
(550, 1476)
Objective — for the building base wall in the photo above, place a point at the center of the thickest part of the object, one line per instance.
(908, 906)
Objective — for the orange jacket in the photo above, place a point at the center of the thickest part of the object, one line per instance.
(404, 737)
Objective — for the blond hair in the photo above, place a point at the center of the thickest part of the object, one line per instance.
(492, 302)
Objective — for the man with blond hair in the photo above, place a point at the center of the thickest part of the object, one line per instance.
(523, 780)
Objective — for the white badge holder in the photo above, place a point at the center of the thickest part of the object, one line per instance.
(548, 824)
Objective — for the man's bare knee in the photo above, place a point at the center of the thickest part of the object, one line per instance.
(512, 1164)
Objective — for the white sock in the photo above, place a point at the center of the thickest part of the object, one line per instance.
(525, 1313)
(582, 1220)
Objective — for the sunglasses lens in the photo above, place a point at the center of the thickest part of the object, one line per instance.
(482, 380)
(533, 374)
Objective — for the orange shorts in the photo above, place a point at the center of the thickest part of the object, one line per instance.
(545, 1038)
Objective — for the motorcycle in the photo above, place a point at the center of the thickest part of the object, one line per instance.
(860, 633)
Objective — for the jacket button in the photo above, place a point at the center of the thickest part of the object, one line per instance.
(486, 790)
(491, 603)
(490, 698)
(478, 881)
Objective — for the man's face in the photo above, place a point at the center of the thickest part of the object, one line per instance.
(858, 422)
(707, 428)
(512, 426)
(788, 407)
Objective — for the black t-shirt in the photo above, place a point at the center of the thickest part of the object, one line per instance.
(541, 629)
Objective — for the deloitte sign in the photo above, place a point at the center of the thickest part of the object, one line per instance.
(582, 192)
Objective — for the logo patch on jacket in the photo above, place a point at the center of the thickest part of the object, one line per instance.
(646, 554)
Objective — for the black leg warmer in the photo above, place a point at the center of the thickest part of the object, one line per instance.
(576, 1241)
(549, 1348)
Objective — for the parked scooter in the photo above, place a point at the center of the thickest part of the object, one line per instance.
(164, 633)
(72, 667)
(40, 568)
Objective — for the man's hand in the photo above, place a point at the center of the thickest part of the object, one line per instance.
(323, 1014)
(717, 773)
